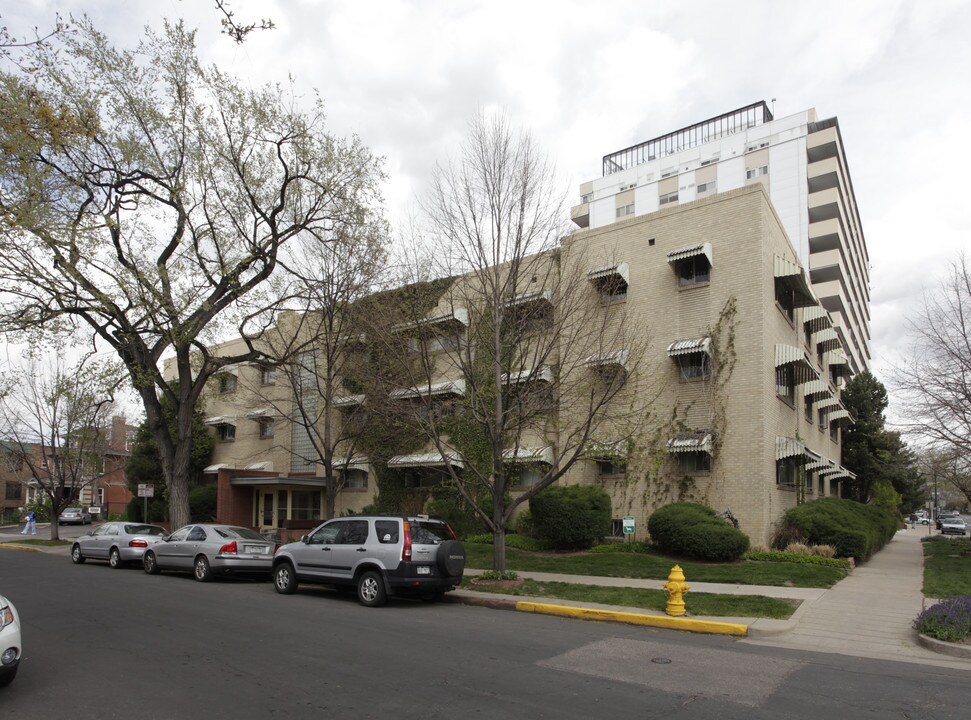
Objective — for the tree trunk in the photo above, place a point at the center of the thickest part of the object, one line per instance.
(499, 532)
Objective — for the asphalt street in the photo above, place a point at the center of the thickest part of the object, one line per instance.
(104, 643)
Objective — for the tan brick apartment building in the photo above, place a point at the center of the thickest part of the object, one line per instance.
(743, 364)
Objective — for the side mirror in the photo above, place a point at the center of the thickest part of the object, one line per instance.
(305, 539)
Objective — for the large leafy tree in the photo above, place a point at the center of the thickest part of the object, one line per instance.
(150, 200)
(879, 457)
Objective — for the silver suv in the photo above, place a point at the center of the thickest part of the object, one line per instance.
(378, 556)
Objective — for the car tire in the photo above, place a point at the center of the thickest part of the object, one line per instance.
(150, 564)
(201, 570)
(451, 558)
(8, 676)
(285, 579)
(76, 557)
(114, 559)
(370, 589)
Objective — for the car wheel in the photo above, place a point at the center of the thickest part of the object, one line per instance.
(114, 559)
(451, 558)
(8, 676)
(150, 563)
(370, 589)
(76, 557)
(201, 570)
(285, 579)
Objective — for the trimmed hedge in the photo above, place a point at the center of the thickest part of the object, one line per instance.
(854, 529)
(695, 531)
(572, 517)
(793, 557)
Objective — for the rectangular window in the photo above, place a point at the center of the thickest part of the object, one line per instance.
(784, 386)
(226, 433)
(625, 211)
(617, 527)
(694, 463)
(227, 382)
(694, 271)
(785, 472)
(306, 505)
(281, 507)
(834, 432)
(808, 409)
(756, 172)
(267, 508)
(611, 469)
(12, 491)
(266, 428)
(267, 375)
(822, 419)
(355, 479)
(785, 298)
(611, 287)
(706, 187)
(667, 198)
(693, 366)
(822, 486)
(528, 477)
(586, 198)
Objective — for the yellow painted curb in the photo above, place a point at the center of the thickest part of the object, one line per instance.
(673, 623)
(18, 546)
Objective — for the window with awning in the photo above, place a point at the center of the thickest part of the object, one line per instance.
(826, 339)
(692, 264)
(792, 288)
(611, 281)
(692, 356)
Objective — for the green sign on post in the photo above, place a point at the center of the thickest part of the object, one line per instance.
(628, 525)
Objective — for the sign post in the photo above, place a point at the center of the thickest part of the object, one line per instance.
(628, 526)
(145, 490)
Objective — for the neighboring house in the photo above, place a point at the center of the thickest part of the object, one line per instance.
(745, 364)
(13, 483)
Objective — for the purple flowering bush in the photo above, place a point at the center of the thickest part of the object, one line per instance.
(948, 620)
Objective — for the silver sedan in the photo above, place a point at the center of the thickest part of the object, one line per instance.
(209, 550)
(116, 542)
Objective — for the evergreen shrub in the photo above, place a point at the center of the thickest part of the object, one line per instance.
(854, 529)
(572, 517)
(695, 531)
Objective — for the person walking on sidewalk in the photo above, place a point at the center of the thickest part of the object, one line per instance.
(31, 526)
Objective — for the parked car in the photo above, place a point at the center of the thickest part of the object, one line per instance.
(378, 556)
(954, 526)
(117, 542)
(207, 550)
(74, 516)
(11, 646)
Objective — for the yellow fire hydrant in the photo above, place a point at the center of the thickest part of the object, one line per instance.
(676, 587)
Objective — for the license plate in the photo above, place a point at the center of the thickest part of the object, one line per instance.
(424, 570)
(255, 549)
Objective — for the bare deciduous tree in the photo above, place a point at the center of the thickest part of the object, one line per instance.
(935, 380)
(522, 365)
(147, 199)
(55, 420)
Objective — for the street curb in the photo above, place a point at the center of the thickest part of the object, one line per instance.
(18, 546)
(944, 648)
(629, 618)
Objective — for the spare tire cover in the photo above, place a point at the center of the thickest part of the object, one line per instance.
(451, 558)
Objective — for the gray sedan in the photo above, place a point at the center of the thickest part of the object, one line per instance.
(209, 550)
(116, 542)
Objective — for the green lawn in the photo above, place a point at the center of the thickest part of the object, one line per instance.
(696, 603)
(649, 565)
(947, 568)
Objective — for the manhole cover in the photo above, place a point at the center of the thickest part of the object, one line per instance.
(661, 661)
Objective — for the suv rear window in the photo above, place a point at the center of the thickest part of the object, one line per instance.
(387, 531)
(429, 533)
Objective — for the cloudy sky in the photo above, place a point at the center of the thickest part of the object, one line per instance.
(589, 78)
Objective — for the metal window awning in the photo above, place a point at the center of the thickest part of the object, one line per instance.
(794, 277)
(689, 251)
(828, 403)
(215, 468)
(818, 464)
(840, 414)
(426, 460)
(266, 465)
(276, 480)
(531, 297)
(220, 420)
(803, 366)
(690, 442)
(228, 370)
(816, 317)
(538, 374)
(606, 449)
(837, 362)
(816, 389)
(348, 400)
(831, 469)
(616, 357)
(523, 455)
(449, 387)
(687, 347)
(459, 316)
(826, 340)
(787, 447)
(358, 462)
(260, 413)
(621, 270)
